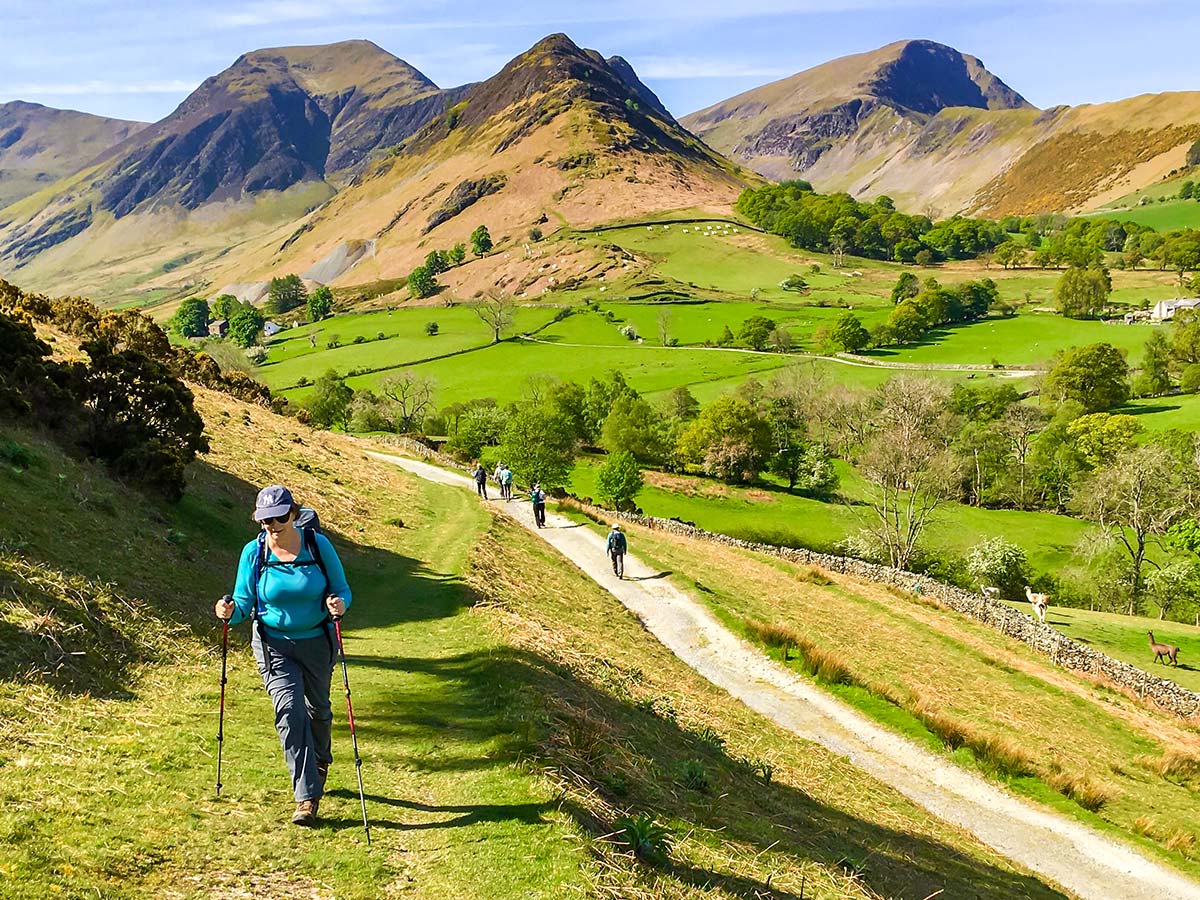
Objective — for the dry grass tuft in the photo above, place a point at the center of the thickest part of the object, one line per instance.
(1080, 788)
(1179, 764)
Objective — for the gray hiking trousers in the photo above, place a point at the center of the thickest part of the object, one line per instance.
(296, 674)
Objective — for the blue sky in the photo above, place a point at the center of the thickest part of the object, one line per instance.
(139, 60)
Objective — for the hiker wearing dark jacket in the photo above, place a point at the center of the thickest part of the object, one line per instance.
(538, 497)
(480, 476)
(615, 546)
(281, 586)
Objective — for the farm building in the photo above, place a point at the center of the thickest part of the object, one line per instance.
(219, 328)
(1164, 310)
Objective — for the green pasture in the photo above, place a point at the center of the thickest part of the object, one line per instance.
(1173, 411)
(1125, 638)
(1169, 215)
(769, 512)
(290, 354)
(1026, 339)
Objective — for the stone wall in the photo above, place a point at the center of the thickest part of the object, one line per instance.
(1008, 621)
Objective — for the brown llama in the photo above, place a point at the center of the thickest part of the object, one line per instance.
(1162, 651)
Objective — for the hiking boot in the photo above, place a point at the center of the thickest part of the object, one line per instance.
(306, 813)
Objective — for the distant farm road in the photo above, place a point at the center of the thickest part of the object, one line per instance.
(1079, 859)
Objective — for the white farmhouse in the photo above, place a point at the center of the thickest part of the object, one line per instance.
(272, 328)
(1164, 310)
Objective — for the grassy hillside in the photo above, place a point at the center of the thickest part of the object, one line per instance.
(504, 728)
(989, 702)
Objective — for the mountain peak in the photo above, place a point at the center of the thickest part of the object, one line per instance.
(926, 77)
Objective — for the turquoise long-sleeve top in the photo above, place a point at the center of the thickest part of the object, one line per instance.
(291, 597)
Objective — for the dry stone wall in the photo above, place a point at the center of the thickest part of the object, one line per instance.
(1061, 649)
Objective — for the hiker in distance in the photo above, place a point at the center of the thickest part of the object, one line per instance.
(616, 546)
(506, 483)
(290, 583)
(480, 476)
(538, 497)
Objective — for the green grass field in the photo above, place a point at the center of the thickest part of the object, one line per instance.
(1024, 339)
(771, 514)
(1125, 638)
(1166, 216)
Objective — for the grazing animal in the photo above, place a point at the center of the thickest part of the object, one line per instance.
(1040, 603)
(991, 593)
(1163, 651)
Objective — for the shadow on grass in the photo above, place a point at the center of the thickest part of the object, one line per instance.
(516, 705)
(93, 609)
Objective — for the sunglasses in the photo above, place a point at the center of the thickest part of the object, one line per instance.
(271, 520)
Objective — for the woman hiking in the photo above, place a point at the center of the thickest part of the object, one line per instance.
(290, 582)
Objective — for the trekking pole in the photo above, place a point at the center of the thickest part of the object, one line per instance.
(362, 797)
(221, 721)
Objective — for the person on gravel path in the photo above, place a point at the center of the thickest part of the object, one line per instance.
(615, 547)
(538, 498)
(290, 583)
(480, 476)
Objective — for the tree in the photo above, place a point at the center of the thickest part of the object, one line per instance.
(729, 440)
(191, 319)
(329, 402)
(1185, 341)
(431, 328)
(245, 326)
(436, 262)
(477, 427)
(1175, 588)
(412, 398)
(1019, 424)
(1081, 292)
(994, 562)
(664, 326)
(680, 405)
(1182, 255)
(816, 475)
(726, 338)
(481, 241)
(619, 480)
(538, 446)
(849, 334)
(1011, 255)
(422, 282)
(906, 459)
(924, 257)
(907, 285)
(457, 254)
(780, 339)
(756, 331)
(1135, 500)
(225, 306)
(286, 294)
(1189, 380)
(634, 426)
(1100, 438)
(320, 303)
(1154, 380)
(1095, 375)
(496, 311)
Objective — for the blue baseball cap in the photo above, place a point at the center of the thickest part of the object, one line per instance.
(275, 500)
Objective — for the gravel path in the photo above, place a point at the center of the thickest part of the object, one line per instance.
(1067, 853)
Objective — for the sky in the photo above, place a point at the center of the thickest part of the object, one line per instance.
(139, 60)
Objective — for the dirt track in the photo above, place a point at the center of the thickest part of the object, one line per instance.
(1061, 851)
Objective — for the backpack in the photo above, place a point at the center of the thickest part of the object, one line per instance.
(538, 497)
(618, 544)
(309, 524)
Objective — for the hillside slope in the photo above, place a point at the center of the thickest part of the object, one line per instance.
(935, 130)
(291, 122)
(39, 145)
(559, 137)
(508, 712)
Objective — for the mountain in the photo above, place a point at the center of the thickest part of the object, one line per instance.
(788, 125)
(938, 132)
(39, 145)
(560, 136)
(291, 122)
